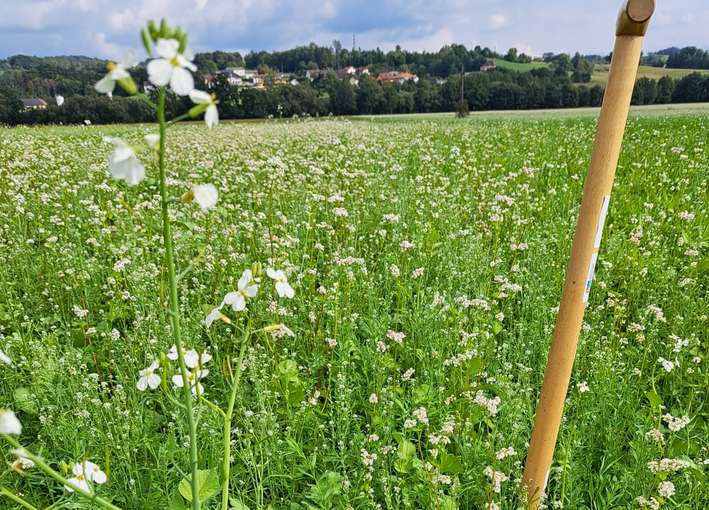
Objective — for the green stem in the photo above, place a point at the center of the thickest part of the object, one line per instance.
(174, 303)
(17, 499)
(43, 466)
(226, 438)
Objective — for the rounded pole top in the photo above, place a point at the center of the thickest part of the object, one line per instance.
(634, 17)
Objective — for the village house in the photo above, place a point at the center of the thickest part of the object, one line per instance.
(397, 77)
(34, 103)
(489, 65)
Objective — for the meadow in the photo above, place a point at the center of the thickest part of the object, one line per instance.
(427, 257)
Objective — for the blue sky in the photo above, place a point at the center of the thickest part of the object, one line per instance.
(107, 28)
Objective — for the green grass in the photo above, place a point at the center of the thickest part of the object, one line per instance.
(600, 73)
(455, 233)
(655, 110)
(517, 66)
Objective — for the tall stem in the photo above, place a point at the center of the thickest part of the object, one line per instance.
(226, 437)
(43, 466)
(17, 499)
(174, 304)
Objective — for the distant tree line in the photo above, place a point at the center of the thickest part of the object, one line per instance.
(493, 90)
(562, 81)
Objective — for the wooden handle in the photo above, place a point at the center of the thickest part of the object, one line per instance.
(634, 17)
(587, 241)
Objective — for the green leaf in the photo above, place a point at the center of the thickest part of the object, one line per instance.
(176, 502)
(654, 398)
(406, 451)
(448, 503)
(207, 485)
(496, 328)
(237, 504)
(25, 402)
(450, 464)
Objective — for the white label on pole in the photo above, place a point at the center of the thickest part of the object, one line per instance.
(589, 277)
(544, 487)
(601, 221)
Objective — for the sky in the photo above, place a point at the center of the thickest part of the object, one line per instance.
(109, 28)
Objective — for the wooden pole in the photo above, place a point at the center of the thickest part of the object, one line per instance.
(632, 25)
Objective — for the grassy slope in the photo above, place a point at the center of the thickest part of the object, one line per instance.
(600, 72)
(514, 66)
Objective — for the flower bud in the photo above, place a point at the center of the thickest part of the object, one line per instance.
(147, 41)
(257, 269)
(153, 29)
(181, 37)
(128, 85)
(188, 197)
(164, 29)
(198, 109)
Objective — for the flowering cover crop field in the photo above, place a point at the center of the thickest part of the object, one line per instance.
(400, 351)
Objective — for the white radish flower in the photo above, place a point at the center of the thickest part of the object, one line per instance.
(246, 289)
(59, 99)
(117, 71)
(205, 195)
(215, 314)
(4, 358)
(172, 67)
(194, 359)
(193, 378)
(21, 462)
(84, 473)
(148, 377)
(211, 114)
(9, 424)
(283, 288)
(279, 330)
(123, 163)
(152, 140)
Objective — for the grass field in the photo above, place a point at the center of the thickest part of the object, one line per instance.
(519, 67)
(600, 73)
(427, 257)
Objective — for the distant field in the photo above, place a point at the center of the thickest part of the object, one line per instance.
(600, 72)
(654, 110)
(515, 66)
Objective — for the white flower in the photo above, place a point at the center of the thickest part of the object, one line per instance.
(211, 114)
(116, 71)
(123, 163)
(21, 462)
(205, 195)
(148, 377)
(666, 489)
(215, 314)
(9, 424)
(246, 288)
(194, 360)
(193, 378)
(59, 100)
(279, 330)
(4, 358)
(152, 140)
(84, 473)
(171, 68)
(283, 288)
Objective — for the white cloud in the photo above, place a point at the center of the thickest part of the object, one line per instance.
(497, 21)
(35, 26)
